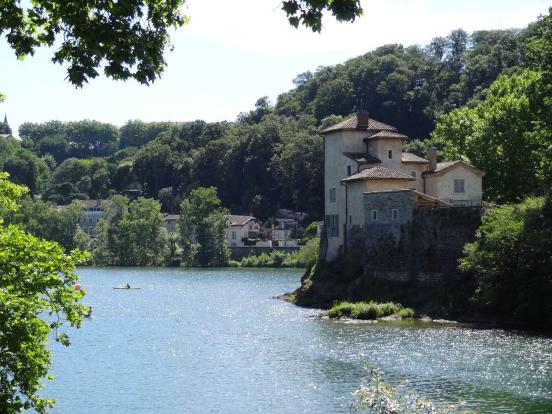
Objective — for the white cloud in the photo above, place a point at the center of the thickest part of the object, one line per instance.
(260, 26)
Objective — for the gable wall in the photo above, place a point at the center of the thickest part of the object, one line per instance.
(442, 186)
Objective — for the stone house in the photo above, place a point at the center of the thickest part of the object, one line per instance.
(240, 228)
(362, 156)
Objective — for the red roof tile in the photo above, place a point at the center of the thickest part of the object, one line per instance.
(352, 123)
(239, 220)
(378, 173)
(413, 158)
(387, 134)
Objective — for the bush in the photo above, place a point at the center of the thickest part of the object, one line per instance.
(376, 396)
(304, 257)
(406, 313)
(341, 309)
(511, 260)
(364, 310)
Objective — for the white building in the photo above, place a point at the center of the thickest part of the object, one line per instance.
(282, 231)
(93, 211)
(362, 155)
(242, 228)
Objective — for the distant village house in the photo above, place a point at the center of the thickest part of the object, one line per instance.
(241, 229)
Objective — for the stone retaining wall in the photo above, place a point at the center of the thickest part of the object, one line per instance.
(419, 244)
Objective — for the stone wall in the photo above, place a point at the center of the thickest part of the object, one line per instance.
(419, 244)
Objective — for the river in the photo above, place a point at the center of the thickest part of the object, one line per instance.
(213, 341)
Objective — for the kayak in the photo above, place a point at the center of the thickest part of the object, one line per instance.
(125, 287)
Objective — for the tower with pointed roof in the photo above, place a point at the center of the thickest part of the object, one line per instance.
(5, 127)
(362, 155)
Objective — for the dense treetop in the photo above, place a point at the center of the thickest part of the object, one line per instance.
(408, 87)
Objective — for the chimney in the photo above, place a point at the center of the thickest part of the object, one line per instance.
(432, 155)
(362, 120)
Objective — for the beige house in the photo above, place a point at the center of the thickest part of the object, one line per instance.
(240, 228)
(362, 156)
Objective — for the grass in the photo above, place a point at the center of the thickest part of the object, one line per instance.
(369, 310)
(406, 313)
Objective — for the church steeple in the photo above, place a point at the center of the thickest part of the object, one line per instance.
(5, 127)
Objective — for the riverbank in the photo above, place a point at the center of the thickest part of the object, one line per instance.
(325, 284)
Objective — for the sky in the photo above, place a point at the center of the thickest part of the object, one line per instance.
(233, 52)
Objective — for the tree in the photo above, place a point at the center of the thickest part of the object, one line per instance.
(131, 234)
(45, 222)
(127, 39)
(309, 12)
(511, 260)
(202, 228)
(26, 297)
(136, 133)
(24, 167)
(508, 135)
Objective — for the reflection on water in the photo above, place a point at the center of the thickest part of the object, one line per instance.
(210, 341)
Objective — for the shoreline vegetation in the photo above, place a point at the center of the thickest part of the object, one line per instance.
(369, 310)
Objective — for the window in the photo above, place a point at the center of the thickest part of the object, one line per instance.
(332, 195)
(413, 174)
(459, 186)
(374, 215)
(395, 214)
(390, 154)
(233, 235)
(348, 170)
(332, 225)
(350, 219)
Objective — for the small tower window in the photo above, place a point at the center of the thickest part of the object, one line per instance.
(413, 174)
(332, 195)
(348, 170)
(390, 154)
(395, 214)
(374, 215)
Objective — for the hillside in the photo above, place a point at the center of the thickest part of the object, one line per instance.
(272, 156)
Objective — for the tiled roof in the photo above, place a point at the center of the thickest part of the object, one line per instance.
(445, 165)
(239, 220)
(387, 134)
(409, 157)
(96, 203)
(352, 123)
(362, 157)
(378, 173)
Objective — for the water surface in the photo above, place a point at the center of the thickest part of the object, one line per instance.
(211, 341)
